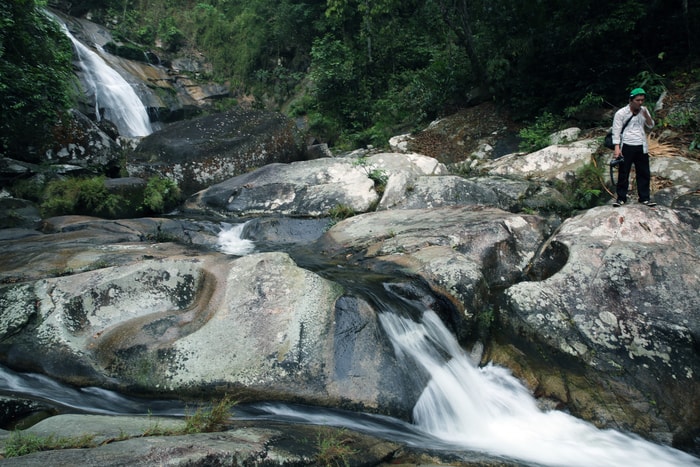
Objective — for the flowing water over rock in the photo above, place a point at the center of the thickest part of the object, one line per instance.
(462, 407)
(112, 93)
(488, 409)
(231, 243)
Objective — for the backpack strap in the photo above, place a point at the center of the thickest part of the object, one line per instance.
(624, 126)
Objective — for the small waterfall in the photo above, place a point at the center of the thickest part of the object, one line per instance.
(487, 409)
(112, 92)
(231, 243)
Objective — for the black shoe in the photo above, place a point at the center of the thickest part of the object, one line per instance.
(649, 203)
(617, 204)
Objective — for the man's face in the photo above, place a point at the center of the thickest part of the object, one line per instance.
(636, 103)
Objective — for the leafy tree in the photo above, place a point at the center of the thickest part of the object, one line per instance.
(35, 76)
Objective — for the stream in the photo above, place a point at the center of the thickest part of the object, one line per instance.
(462, 407)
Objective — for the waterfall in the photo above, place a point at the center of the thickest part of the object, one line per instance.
(230, 242)
(489, 410)
(112, 92)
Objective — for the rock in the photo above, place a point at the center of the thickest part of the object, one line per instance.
(463, 135)
(565, 136)
(556, 162)
(462, 250)
(85, 145)
(617, 290)
(132, 190)
(206, 324)
(11, 170)
(314, 188)
(104, 428)
(400, 143)
(72, 244)
(283, 231)
(15, 412)
(400, 171)
(205, 151)
(433, 192)
(18, 213)
(680, 170)
(245, 443)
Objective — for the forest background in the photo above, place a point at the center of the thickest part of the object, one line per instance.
(361, 71)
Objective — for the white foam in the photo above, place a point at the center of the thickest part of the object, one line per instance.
(230, 241)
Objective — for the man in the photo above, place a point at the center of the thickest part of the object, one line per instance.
(631, 143)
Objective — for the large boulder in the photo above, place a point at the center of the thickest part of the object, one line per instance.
(181, 320)
(555, 162)
(464, 252)
(314, 188)
(207, 150)
(618, 291)
(82, 143)
(72, 244)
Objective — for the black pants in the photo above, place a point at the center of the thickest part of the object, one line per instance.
(634, 155)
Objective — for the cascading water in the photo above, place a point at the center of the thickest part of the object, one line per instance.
(463, 408)
(112, 92)
(230, 240)
(487, 409)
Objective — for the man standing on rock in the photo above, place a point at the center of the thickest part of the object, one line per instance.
(630, 140)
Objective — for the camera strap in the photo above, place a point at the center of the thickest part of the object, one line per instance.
(612, 178)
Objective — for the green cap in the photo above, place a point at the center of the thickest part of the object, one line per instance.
(636, 92)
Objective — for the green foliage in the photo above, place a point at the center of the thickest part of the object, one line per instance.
(20, 444)
(27, 189)
(333, 448)
(87, 196)
(374, 68)
(588, 103)
(652, 83)
(339, 212)
(378, 176)
(682, 118)
(36, 77)
(161, 194)
(210, 419)
(585, 192)
(486, 320)
(537, 135)
(695, 143)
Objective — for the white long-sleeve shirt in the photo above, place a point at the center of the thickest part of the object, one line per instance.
(634, 134)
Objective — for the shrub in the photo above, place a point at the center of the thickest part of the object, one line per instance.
(589, 102)
(378, 176)
(340, 212)
(537, 135)
(333, 448)
(87, 196)
(161, 194)
(210, 419)
(585, 191)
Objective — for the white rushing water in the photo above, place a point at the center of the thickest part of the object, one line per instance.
(489, 410)
(112, 92)
(230, 241)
